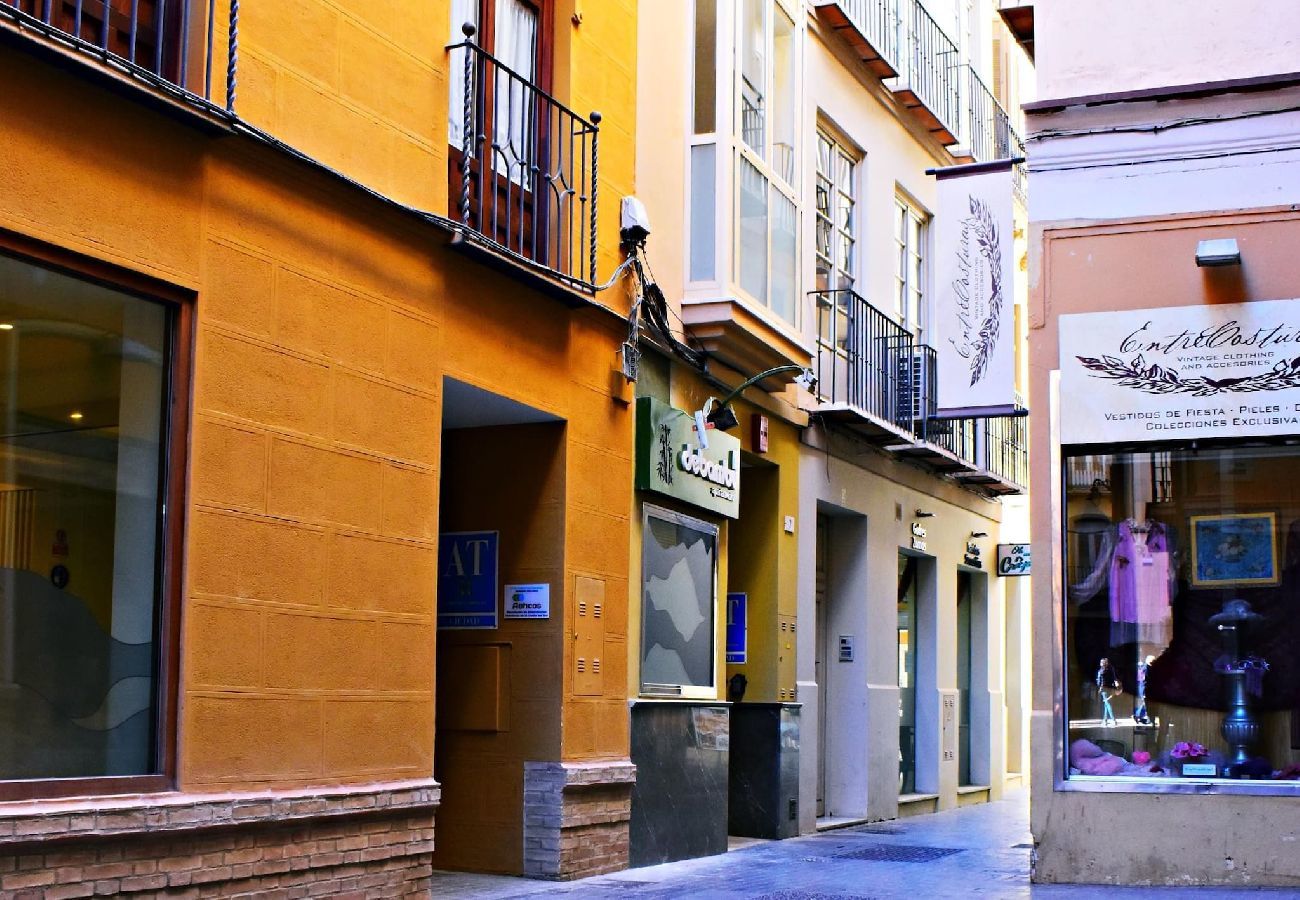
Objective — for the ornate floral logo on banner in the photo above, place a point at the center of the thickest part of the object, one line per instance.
(978, 287)
(1227, 344)
(1156, 379)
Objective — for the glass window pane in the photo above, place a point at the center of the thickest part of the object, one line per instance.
(1181, 570)
(823, 198)
(679, 588)
(82, 409)
(752, 261)
(784, 241)
(783, 98)
(706, 69)
(703, 212)
(753, 75)
(824, 240)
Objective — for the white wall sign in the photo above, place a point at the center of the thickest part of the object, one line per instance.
(1229, 370)
(974, 309)
(846, 648)
(528, 601)
(1014, 560)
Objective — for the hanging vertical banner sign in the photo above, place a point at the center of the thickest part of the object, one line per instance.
(974, 315)
(467, 579)
(737, 627)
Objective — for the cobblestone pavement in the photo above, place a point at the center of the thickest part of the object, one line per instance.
(976, 851)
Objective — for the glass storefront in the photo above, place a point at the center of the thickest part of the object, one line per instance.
(1182, 591)
(82, 400)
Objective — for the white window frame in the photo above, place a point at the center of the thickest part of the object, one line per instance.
(760, 161)
(841, 149)
(731, 149)
(912, 278)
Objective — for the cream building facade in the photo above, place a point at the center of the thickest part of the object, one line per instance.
(784, 162)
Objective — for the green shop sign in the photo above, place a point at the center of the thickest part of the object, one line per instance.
(670, 461)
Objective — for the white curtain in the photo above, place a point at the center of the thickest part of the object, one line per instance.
(515, 128)
(462, 11)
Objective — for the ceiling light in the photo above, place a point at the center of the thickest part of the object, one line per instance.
(6, 326)
(76, 416)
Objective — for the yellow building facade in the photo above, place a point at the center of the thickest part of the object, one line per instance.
(337, 337)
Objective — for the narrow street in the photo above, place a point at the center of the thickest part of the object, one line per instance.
(980, 850)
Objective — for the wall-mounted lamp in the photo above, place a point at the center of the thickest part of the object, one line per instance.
(979, 534)
(922, 514)
(719, 414)
(1218, 252)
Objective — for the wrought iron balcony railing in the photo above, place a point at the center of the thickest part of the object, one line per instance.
(989, 133)
(871, 366)
(1006, 448)
(876, 25)
(170, 42)
(527, 169)
(931, 65)
(868, 362)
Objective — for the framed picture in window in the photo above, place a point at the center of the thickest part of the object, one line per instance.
(1234, 549)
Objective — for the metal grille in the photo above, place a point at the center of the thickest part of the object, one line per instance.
(898, 853)
(171, 40)
(932, 65)
(988, 127)
(867, 360)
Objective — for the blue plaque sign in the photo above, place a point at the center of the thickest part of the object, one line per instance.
(737, 635)
(467, 579)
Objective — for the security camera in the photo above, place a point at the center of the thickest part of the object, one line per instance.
(636, 222)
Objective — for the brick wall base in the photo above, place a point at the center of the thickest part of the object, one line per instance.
(354, 843)
(576, 818)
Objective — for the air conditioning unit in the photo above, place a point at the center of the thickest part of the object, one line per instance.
(913, 386)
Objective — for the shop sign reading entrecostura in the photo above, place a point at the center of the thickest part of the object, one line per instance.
(1181, 372)
(670, 460)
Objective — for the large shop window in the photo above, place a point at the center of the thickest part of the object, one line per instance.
(679, 588)
(1182, 573)
(82, 470)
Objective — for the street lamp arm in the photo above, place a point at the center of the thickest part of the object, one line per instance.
(755, 379)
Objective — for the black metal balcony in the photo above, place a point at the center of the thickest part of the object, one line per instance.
(997, 449)
(1006, 449)
(169, 43)
(525, 174)
(928, 80)
(876, 380)
(871, 375)
(871, 29)
(989, 133)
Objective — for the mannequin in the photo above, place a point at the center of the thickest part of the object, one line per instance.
(1140, 714)
(1107, 687)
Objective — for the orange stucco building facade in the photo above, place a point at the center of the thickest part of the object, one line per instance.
(348, 383)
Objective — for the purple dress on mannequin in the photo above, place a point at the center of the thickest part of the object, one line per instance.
(1139, 587)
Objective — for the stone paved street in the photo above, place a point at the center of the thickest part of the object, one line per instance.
(977, 851)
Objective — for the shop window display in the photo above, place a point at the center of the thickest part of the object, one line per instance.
(1182, 591)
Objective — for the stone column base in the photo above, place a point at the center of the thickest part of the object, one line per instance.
(576, 818)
